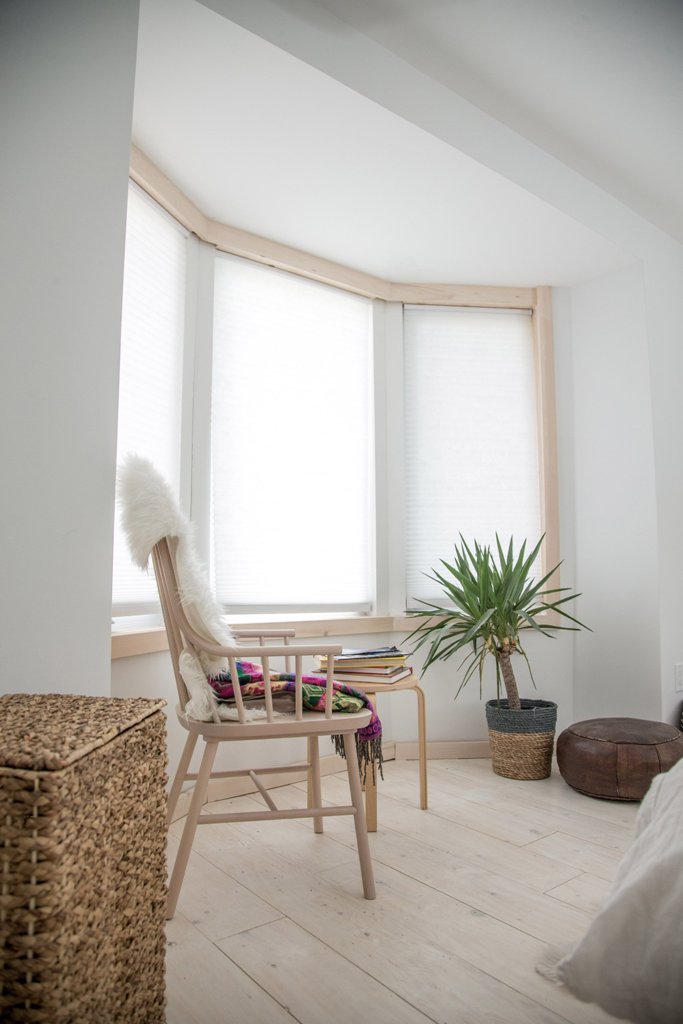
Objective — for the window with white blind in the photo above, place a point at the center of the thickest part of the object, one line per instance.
(151, 373)
(329, 448)
(471, 434)
(292, 443)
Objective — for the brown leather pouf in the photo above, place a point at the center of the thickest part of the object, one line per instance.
(617, 758)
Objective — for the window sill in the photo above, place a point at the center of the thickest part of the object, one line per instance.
(150, 640)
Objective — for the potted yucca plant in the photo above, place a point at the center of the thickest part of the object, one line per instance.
(491, 598)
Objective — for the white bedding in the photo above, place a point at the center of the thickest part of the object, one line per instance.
(630, 962)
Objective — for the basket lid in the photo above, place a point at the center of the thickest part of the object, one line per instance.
(48, 732)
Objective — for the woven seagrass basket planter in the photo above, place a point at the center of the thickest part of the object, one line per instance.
(82, 859)
(522, 741)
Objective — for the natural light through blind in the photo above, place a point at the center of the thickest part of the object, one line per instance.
(150, 388)
(292, 442)
(471, 434)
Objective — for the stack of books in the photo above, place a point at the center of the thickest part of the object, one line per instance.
(377, 665)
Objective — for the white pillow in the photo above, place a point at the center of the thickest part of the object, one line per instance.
(630, 962)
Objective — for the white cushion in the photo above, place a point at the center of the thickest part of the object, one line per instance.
(630, 962)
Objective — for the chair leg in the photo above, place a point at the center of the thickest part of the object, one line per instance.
(315, 797)
(190, 827)
(422, 745)
(359, 817)
(179, 778)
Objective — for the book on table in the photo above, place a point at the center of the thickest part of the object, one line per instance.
(380, 671)
(376, 658)
(373, 678)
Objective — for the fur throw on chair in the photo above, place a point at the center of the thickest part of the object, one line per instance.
(149, 512)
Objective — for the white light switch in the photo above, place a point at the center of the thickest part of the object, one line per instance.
(678, 677)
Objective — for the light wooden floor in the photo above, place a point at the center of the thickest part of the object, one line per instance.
(272, 926)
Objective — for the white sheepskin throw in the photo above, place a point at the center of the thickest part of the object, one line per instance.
(202, 702)
(149, 512)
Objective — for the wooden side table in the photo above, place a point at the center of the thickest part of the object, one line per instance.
(372, 689)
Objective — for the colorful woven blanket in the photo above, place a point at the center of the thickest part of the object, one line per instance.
(344, 698)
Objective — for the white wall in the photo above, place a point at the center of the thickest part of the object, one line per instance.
(664, 307)
(66, 92)
(609, 505)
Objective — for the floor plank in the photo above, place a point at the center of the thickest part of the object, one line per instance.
(546, 815)
(495, 892)
(466, 908)
(214, 902)
(382, 937)
(396, 943)
(549, 792)
(531, 868)
(577, 853)
(201, 983)
(586, 892)
(313, 981)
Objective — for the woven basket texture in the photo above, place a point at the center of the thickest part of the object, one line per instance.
(522, 741)
(82, 859)
(534, 716)
(526, 756)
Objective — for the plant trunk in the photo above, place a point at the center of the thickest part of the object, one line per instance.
(509, 680)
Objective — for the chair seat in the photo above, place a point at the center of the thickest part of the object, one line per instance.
(312, 723)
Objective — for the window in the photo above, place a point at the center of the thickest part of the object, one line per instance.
(329, 447)
(292, 442)
(151, 374)
(471, 450)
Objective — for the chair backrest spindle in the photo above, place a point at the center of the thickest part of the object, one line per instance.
(268, 686)
(163, 561)
(236, 688)
(298, 687)
(329, 688)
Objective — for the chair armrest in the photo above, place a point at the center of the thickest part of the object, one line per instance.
(283, 650)
(264, 652)
(271, 650)
(239, 633)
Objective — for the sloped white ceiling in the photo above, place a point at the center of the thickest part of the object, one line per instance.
(264, 141)
(597, 83)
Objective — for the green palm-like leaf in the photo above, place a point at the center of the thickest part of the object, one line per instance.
(491, 597)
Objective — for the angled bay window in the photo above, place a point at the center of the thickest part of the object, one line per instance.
(472, 434)
(292, 443)
(329, 447)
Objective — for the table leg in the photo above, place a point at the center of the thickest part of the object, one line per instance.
(422, 745)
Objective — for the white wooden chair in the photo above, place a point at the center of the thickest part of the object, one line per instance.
(300, 723)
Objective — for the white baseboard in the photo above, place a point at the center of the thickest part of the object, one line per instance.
(445, 750)
(223, 789)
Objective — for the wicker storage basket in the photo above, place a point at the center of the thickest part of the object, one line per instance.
(522, 741)
(82, 859)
